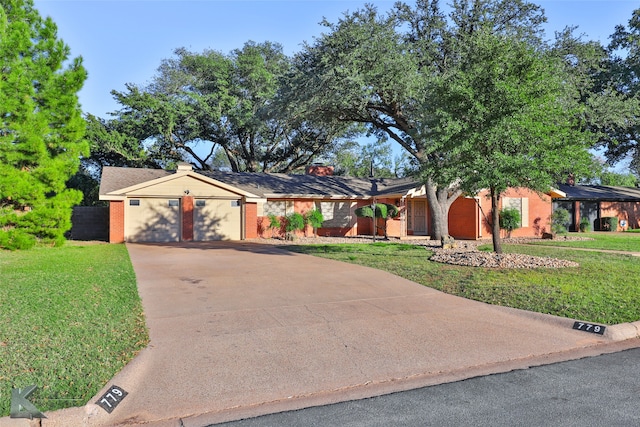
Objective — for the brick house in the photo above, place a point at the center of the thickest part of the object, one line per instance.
(152, 205)
(599, 201)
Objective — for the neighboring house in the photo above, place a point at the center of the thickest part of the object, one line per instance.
(151, 205)
(599, 201)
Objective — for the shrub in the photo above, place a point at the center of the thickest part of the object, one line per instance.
(315, 219)
(609, 223)
(585, 225)
(294, 222)
(509, 220)
(274, 223)
(383, 210)
(16, 240)
(559, 219)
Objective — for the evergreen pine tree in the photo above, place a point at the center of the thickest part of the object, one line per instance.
(41, 127)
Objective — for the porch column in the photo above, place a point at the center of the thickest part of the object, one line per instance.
(187, 218)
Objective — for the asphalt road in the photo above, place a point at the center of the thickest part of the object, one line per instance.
(597, 391)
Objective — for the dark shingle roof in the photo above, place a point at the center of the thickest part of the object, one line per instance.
(263, 184)
(600, 192)
(114, 178)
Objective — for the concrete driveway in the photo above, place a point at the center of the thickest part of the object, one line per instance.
(242, 329)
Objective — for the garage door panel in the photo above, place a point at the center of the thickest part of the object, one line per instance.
(216, 220)
(153, 220)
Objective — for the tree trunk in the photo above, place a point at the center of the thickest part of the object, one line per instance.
(495, 221)
(439, 201)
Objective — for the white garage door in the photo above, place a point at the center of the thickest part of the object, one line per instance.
(152, 220)
(216, 219)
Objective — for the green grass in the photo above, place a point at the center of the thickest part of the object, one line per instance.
(629, 242)
(604, 289)
(70, 319)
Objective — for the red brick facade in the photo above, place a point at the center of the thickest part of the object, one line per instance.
(627, 211)
(251, 220)
(187, 218)
(116, 221)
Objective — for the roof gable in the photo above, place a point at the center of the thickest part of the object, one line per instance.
(162, 183)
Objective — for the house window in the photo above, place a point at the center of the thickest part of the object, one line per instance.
(521, 204)
(335, 214)
(134, 202)
(174, 203)
(200, 203)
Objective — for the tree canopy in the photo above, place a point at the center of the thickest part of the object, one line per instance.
(506, 118)
(202, 107)
(370, 159)
(377, 69)
(41, 127)
(623, 76)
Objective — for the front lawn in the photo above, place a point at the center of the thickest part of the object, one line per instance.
(629, 242)
(70, 319)
(604, 289)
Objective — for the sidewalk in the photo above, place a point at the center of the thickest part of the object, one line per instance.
(242, 329)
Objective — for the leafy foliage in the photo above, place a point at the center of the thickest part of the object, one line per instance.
(314, 218)
(507, 118)
(617, 179)
(204, 107)
(585, 225)
(509, 220)
(274, 223)
(559, 218)
(383, 211)
(377, 70)
(623, 76)
(294, 222)
(41, 129)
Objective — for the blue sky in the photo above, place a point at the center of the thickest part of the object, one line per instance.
(123, 41)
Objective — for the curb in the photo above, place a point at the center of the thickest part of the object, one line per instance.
(623, 331)
(618, 332)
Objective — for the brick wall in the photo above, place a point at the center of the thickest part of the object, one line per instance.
(629, 211)
(89, 223)
(539, 212)
(463, 219)
(252, 226)
(187, 218)
(116, 221)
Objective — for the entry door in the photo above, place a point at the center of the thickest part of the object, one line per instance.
(419, 217)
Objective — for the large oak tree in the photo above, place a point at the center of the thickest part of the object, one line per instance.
(507, 117)
(376, 70)
(201, 106)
